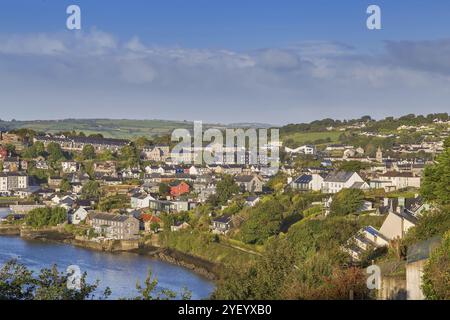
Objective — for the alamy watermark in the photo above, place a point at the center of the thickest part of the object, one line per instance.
(73, 277)
(228, 146)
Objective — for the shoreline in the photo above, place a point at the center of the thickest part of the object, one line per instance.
(197, 265)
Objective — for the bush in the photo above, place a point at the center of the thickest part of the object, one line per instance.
(347, 201)
(436, 276)
(45, 217)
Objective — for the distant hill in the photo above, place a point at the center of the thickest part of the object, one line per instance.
(107, 127)
(113, 128)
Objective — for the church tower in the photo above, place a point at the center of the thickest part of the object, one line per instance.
(379, 155)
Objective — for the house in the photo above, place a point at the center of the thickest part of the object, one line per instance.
(162, 206)
(11, 164)
(399, 180)
(130, 173)
(177, 226)
(41, 165)
(336, 181)
(17, 141)
(250, 183)
(368, 238)
(70, 166)
(140, 201)
(28, 192)
(397, 224)
(115, 226)
(207, 192)
(178, 188)
(12, 181)
(77, 216)
(222, 225)
(156, 154)
(78, 143)
(111, 181)
(106, 168)
(148, 221)
(65, 202)
(232, 169)
(308, 182)
(252, 201)
(306, 149)
(54, 181)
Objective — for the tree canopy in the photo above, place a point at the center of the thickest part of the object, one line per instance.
(347, 201)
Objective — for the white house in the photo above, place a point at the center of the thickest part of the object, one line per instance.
(141, 201)
(308, 182)
(397, 224)
(78, 216)
(306, 149)
(193, 171)
(70, 166)
(335, 182)
(400, 180)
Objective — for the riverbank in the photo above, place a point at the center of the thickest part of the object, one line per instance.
(200, 266)
(9, 230)
(197, 265)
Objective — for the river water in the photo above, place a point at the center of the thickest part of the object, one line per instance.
(118, 271)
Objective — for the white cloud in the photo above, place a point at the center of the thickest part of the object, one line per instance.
(317, 79)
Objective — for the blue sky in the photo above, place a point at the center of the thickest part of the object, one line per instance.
(224, 61)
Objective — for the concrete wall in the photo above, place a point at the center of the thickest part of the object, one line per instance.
(414, 272)
(392, 288)
(25, 208)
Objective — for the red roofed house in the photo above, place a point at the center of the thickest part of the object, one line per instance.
(149, 220)
(179, 188)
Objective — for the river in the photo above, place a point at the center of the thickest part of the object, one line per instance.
(118, 271)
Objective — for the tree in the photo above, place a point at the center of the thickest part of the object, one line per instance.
(114, 202)
(18, 283)
(436, 274)
(347, 201)
(55, 152)
(106, 155)
(36, 150)
(264, 222)
(435, 185)
(149, 291)
(88, 152)
(65, 185)
(353, 166)
(130, 155)
(11, 148)
(164, 189)
(44, 217)
(91, 190)
(225, 189)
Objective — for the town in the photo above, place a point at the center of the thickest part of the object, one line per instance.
(117, 194)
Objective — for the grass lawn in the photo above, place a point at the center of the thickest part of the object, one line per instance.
(303, 137)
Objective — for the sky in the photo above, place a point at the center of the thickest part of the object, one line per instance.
(227, 61)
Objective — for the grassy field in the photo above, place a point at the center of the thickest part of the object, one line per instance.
(304, 137)
(108, 128)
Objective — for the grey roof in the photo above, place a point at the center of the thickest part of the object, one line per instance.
(339, 176)
(306, 178)
(357, 185)
(244, 178)
(109, 216)
(223, 219)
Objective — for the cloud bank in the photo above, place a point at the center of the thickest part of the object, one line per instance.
(94, 74)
